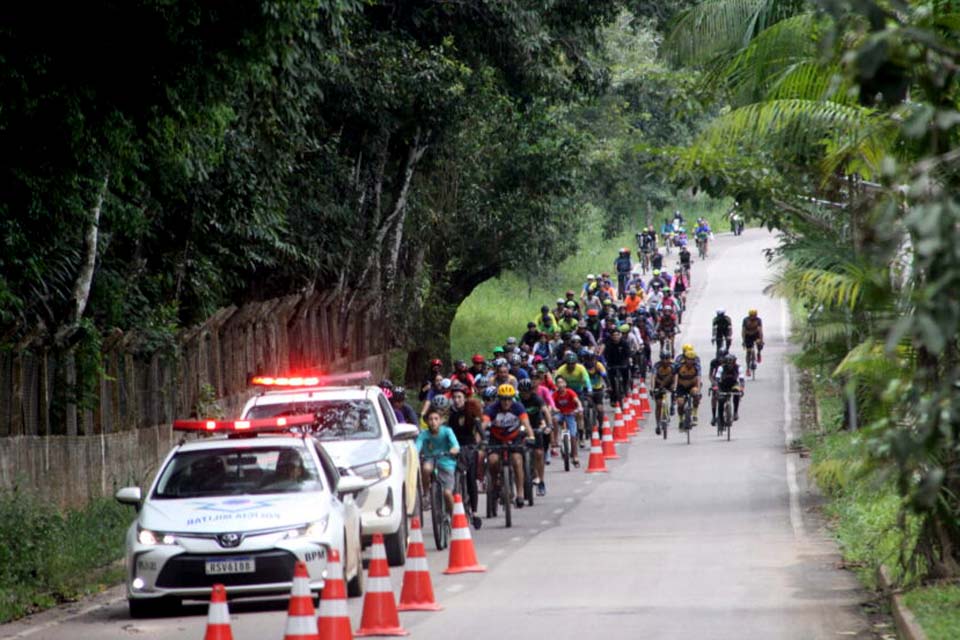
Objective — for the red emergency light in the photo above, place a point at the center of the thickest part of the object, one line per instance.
(261, 425)
(310, 380)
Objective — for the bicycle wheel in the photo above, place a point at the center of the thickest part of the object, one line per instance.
(506, 489)
(437, 511)
(565, 448)
(528, 476)
(728, 415)
(492, 493)
(688, 429)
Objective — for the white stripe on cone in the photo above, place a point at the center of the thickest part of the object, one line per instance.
(606, 435)
(416, 535)
(460, 534)
(218, 614)
(458, 509)
(416, 564)
(301, 587)
(378, 552)
(301, 626)
(379, 585)
(334, 571)
(333, 608)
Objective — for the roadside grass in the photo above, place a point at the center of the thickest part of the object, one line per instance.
(937, 609)
(48, 556)
(502, 307)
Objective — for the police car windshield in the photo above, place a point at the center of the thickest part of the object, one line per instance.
(227, 472)
(336, 419)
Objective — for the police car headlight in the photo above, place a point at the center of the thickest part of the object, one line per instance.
(312, 530)
(373, 471)
(151, 538)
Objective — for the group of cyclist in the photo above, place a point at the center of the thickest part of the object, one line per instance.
(551, 386)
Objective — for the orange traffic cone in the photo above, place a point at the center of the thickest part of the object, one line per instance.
(619, 428)
(333, 621)
(644, 399)
(379, 616)
(596, 464)
(609, 448)
(629, 416)
(463, 557)
(301, 623)
(218, 616)
(417, 591)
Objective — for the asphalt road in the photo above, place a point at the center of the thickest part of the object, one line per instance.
(709, 540)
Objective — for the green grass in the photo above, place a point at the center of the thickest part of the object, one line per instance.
(502, 307)
(48, 556)
(937, 609)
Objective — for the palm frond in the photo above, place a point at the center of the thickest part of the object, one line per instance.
(717, 27)
(870, 362)
(828, 289)
(750, 73)
(811, 80)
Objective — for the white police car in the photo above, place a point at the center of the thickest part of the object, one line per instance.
(358, 427)
(240, 509)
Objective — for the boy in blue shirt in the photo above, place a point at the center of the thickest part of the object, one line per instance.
(438, 446)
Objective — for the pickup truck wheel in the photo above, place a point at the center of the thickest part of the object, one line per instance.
(396, 543)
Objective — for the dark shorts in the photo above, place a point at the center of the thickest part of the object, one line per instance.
(749, 341)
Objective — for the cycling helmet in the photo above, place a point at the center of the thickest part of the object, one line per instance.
(730, 358)
(656, 272)
(589, 357)
(721, 311)
(489, 393)
(692, 355)
(514, 359)
(590, 276)
(385, 384)
(445, 384)
(525, 385)
(440, 402)
(499, 362)
(541, 368)
(459, 365)
(456, 386)
(570, 357)
(687, 347)
(576, 338)
(752, 312)
(664, 355)
(607, 301)
(506, 391)
(544, 309)
(571, 292)
(571, 304)
(624, 328)
(560, 300)
(511, 340)
(722, 354)
(478, 359)
(592, 313)
(399, 393)
(436, 363)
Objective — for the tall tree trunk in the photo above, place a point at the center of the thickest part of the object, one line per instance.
(84, 281)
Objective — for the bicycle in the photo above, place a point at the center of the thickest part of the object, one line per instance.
(685, 414)
(589, 416)
(462, 482)
(725, 411)
(720, 341)
(645, 261)
(617, 383)
(566, 448)
(501, 489)
(662, 412)
(702, 247)
(437, 504)
(666, 344)
(751, 361)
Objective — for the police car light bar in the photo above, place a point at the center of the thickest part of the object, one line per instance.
(270, 425)
(310, 380)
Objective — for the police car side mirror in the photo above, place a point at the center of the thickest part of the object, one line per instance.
(405, 431)
(129, 495)
(351, 485)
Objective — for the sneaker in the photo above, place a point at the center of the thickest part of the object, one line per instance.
(518, 503)
(658, 429)
(541, 489)
(554, 451)
(713, 422)
(576, 464)
(736, 416)
(759, 357)
(546, 461)
(476, 522)
(696, 421)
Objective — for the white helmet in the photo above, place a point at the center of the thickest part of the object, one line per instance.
(721, 311)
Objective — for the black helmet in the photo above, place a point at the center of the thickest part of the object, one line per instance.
(525, 385)
(385, 384)
(399, 393)
(460, 365)
(729, 358)
(457, 386)
(664, 355)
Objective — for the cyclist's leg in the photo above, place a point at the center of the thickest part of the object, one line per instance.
(597, 399)
(426, 476)
(516, 459)
(569, 422)
(447, 479)
(470, 460)
(713, 406)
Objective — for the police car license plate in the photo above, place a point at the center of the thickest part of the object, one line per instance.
(230, 565)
